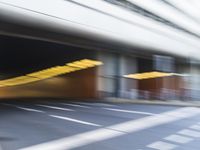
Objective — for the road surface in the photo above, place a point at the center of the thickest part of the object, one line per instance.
(62, 125)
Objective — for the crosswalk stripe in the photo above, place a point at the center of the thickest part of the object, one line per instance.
(195, 127)
(159, 145)
(117, 130)
(54, 107)
(129, 111)
(190, 133)
(178, 139)
(75, 120)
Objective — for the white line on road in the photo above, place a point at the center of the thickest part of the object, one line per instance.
(159, 145)
(7, 104)
(132, 126)
(129, 111)
(29, 109)
(75, 120)
(75, 105)
(190, 133)
(54, 107)
(23, 108)
(97, 104)
(178, 139)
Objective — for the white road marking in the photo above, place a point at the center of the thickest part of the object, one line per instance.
(29, 109)
(104, 104)
(75, 105)
(178, 139)
(24, 108)
(77, 140)
(54, 107)
(7, 104)
(159, 145)
(195, 127)
(75, 120)
(117, 130)
(129, 111)
(190, 133)
(97, 104)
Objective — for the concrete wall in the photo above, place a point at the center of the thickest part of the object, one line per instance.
(127, 87)
(107, 74)
(110, 76)
(194, 82)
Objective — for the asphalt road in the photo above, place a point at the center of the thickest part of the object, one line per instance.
(60, 125)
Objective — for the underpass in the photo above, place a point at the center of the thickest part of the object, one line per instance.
(40, 69)
(60, 61)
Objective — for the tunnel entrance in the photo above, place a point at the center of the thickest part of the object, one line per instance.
(31, 68)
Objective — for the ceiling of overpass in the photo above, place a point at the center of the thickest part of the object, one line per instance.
(21, 56)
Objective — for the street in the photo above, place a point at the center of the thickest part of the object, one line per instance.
(60, 125)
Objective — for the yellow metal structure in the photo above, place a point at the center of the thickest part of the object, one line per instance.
(50, 72)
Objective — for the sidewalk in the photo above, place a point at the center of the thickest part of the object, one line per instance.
(155, 102)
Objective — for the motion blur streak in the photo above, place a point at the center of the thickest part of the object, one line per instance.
(95, 74)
